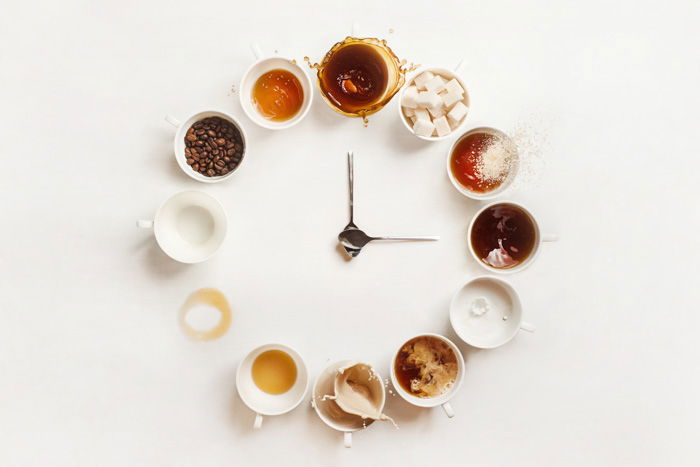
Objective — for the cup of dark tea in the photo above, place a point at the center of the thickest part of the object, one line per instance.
(504, 237)
(358, 76)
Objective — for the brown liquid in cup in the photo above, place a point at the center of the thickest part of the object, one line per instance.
(504, 232)
(355, 77)
(358, 77)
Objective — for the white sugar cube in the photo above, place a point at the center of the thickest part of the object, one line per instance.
(423, 128)
(458, 112)
(407, 111)
(450, 97)
(409, 97)
(454, 86)
(422, 79)
(422, 114)
(436, 112)
(436, 84)
(427, 99)
(441, 126)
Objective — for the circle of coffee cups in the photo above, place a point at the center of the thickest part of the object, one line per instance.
(261, 402)
(428, 402)
(512, 172)
(539, 238)
(448, 75)
(190, 226)
(179, 143)
(504, 316)
(261, 66)
(328, 410)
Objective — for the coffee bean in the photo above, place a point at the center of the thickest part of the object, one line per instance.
(195, 166)
(190, 161)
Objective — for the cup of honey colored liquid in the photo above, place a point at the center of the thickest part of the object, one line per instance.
(275, 92)
(272, 380)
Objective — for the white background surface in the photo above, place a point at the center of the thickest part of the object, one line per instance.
(94, 369)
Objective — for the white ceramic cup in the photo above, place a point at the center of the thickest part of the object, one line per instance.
(190, 226)
(444, 398)
(261, 402)
(179, 142)
(262, 65)
(329, 412)
(539, 238)
(513, 170)
(448, 75)
(496, 326)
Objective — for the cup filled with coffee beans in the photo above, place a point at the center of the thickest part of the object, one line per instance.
(209, 145)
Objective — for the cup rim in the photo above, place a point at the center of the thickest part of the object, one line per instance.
(298, 359)
(518, 267)
(410, 80)
(512, 292)
(160, 210)
(433, 401)
(496, 191)
(305, 107)
(180, 136)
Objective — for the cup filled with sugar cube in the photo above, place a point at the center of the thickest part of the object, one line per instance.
(434, 103)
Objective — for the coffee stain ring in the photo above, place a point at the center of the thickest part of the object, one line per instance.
(209, 297)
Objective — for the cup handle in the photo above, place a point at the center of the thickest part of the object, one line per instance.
(257, 51)
(550, 238)
(448, 410)
(527, 327)
(258, 421)
(355, 30)
(144, 224)
(173, 121)
(347, 439)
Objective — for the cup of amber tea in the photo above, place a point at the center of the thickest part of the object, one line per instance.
(359, 76)
(275, 92)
